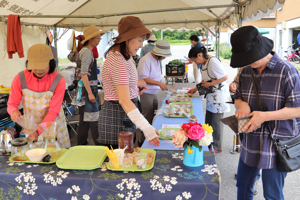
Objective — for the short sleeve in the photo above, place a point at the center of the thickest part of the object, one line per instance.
(86, 57)
(143, 68)
(216, 69)
(119, 72)
(292, 88)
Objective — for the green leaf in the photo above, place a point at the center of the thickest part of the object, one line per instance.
(185, 144)
(195, 143)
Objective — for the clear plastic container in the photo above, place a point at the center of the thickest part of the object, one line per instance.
(18, 148)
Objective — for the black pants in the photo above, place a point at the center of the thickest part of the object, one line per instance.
(214, 119)
(83, 129)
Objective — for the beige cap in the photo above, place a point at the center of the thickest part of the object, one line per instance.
(90, 32)
(38, 56)
(152, 38)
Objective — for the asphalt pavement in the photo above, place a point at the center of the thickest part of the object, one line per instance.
(226, 161)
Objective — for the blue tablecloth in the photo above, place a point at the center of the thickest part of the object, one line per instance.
(161, 119)
(169, 179)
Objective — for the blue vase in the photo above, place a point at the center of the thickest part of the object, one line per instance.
(194, 159)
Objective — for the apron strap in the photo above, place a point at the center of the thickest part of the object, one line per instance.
(55, 82)
(22, 80)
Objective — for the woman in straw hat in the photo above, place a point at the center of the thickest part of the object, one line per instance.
(278, 88)
(149, 70)
(149, 47)
(41, 90)
(89, 112)
(121, 86)
(215, 76)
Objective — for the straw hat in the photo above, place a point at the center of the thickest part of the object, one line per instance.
(39, 56)
(248, 46)
(90, 32)
(152, 38)
(162, 48)
(130, 27)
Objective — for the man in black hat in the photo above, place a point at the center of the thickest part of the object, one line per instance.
(278, 86)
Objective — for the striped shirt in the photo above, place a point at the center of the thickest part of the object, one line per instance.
(278, 87)
(117, 71)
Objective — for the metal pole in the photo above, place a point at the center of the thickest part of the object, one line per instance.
(55, 44)
(217, 28)
(161, 34)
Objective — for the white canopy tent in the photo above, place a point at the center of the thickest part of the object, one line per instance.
(156, 14)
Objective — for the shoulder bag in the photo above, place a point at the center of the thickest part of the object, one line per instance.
(287, 151)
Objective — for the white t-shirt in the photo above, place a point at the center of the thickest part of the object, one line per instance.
(149, 67)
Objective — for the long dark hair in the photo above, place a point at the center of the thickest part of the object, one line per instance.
(193, 53)
(52, 66)
(123, 50)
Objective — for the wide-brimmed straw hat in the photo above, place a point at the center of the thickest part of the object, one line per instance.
(162, 48)
(248, 46)
(90, 32)
(130, 27)
(39, 56)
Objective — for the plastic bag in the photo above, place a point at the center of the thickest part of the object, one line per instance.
(27, 122)
(48, 129)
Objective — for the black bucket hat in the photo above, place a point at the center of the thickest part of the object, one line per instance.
(248, 46)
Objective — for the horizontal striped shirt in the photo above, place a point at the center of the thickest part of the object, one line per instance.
(117, 71)
(278, 87)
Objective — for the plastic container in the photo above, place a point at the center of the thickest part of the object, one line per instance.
(126, 139)
(18, 148)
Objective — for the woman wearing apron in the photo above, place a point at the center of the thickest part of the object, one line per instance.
(41, 91)
(121, 86)
(213, 74)
(89, 112)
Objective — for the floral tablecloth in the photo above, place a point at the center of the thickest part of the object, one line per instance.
(169, 179)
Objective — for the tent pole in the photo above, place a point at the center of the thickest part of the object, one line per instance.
(217, 28)
(55, 44)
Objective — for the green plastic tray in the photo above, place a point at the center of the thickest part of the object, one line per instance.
(190, 113)
(134, 168)
(175, 103)
(161, 136)
(82, 158)
(190, 99)
(52, 159)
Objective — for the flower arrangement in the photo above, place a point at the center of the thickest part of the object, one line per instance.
(193, 134)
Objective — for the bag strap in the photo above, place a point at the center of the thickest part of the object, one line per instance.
(260, 106)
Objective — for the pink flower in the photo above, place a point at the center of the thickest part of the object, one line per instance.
(196, 133)
(179, 138)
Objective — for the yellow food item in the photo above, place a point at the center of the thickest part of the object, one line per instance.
(112, 157)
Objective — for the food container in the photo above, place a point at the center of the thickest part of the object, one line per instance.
(128, 159)
(125, 139)
(141, 160)
(18, 149)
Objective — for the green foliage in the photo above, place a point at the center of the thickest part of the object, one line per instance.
(176, 36)
(175, 63)
(225, 51)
